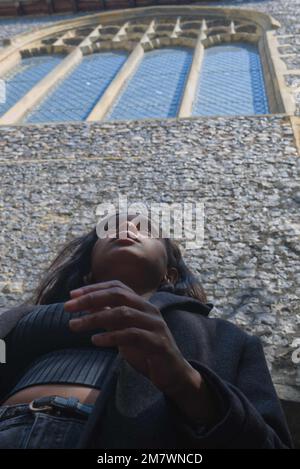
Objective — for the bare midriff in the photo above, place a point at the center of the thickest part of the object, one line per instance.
(85, 394)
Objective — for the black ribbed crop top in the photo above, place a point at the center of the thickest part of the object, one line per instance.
(42, 349)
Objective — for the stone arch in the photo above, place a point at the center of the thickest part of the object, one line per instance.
(141, 30)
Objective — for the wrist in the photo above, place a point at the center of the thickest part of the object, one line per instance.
(193, 398)
(188, 379)
(187, 385)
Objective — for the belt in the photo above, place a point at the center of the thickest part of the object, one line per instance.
(59, 405)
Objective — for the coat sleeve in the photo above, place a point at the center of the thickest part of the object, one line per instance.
(10, 317)
(250, 412)
(8, 320)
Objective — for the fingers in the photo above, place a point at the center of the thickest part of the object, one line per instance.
(98, 286)
(143, 340)
(118, 318)
(115, 296)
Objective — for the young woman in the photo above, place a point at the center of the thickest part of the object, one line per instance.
(182, 380)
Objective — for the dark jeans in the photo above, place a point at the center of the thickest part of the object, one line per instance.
(22, 428)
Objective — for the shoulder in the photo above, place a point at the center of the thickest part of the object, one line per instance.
(230, 332)
(222, 329)
(10, 317)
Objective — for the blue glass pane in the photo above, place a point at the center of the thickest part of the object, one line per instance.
(24, 76)
(73, 98)
(231, 82)
(156, 89)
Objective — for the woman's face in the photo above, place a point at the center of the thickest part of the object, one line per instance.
(130, 255)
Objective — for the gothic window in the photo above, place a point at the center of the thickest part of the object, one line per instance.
(20, 79)
(231, 82)
(144, 63)
(75, 96)
(155, 90)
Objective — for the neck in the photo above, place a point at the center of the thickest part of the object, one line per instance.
(139, 290)
(148, 295)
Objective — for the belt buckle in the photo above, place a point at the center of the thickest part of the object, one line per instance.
(58, 408)
(39, 409)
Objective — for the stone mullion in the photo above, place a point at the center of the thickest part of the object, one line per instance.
(121, 34)
(110, 95)
(176, 29)
(59, 46)
(189, 95)
(11, 61)
(295, 121)
(32, 98)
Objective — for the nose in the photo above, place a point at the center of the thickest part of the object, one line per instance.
(128, 226)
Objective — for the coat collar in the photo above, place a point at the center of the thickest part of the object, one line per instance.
(165, 300)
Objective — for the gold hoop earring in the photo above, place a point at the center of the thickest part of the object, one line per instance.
(167, 285)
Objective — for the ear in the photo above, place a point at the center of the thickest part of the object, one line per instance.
(172, 275)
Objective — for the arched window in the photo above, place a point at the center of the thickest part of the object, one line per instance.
(25, 76)
(231, 82)
(75, 96)
(192, 62)
(156, 89)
